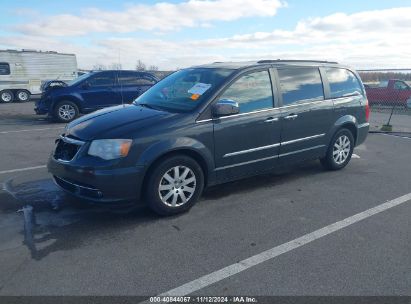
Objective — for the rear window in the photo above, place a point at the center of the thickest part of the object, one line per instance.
(343, 83)
(4, 68)
(300, 85)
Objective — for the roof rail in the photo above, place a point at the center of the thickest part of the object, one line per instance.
(282, 60)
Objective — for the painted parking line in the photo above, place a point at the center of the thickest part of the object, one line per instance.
(269, 254)
(22, 169)
(395, 135)
(355, 156)
(29, 130)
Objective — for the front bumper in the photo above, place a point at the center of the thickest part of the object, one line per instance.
(41, 107)
(105, 186)
(362, 132)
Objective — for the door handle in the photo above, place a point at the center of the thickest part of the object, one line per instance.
(291, 117)
(271, 119)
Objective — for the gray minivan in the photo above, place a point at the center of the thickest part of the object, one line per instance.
(210, 124)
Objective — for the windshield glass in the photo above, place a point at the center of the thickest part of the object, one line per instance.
(184, 90)
(78, 79)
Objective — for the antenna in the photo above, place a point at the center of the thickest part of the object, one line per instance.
(118, 78)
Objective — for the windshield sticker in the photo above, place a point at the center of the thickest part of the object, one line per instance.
(199, 88)
(195, 96)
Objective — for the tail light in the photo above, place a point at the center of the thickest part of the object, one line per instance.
(367, 110)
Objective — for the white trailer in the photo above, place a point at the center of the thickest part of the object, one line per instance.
(23, 72)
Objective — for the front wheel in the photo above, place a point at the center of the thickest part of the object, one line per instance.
(174, 185)
(340, 150)
(65, 111)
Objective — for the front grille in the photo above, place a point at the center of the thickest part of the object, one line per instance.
(75, 188)
(66, 148)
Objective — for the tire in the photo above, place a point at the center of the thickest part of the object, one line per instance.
(22, 95)
(65, 111)
(336, 157)
(170, 200)
(6, 96)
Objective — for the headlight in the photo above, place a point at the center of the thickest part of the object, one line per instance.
(110, 148)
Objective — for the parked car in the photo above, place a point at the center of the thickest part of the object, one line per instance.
(391, 92)
(212, 124)
(23, 72)
(90, 92)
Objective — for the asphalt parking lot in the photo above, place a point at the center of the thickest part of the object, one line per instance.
(84, 250)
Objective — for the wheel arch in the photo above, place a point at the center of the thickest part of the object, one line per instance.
(186, 151)
(346, 122)
(73, 99)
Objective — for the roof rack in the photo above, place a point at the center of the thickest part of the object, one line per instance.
(282, 60)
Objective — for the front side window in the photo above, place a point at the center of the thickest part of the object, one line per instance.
(252, 92)
(300, 85)
(343, 83)
(101, 80)
(184, 90)
(4, 68)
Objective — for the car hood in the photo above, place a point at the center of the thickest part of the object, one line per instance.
(114, 122)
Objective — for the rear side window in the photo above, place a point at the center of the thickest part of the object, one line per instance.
(4, 68)
(342, 83)
(134, 79)
(102, 80)
(300, 85)
(252, 92)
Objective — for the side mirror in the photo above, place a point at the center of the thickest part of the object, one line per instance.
(85, 85)
(226, 107)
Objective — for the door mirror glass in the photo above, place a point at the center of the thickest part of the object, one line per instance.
(226, 107)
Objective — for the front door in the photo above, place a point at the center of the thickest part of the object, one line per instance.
(306, 115)
(100, 91)
(248, 142)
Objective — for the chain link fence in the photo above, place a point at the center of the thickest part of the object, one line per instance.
(389, 96)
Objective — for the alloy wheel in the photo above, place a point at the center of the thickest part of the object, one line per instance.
(67, 112)
(177, 186)
(341, 149)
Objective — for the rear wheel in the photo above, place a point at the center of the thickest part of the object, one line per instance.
(65, 111)
(6, 96)
(174, 185)
(340, 150)
(23, 95)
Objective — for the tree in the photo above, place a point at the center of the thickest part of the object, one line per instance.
(153, 68)
(99, 67)
(115, 66)
(140, 66)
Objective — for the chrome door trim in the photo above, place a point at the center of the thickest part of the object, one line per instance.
(236, 115)
(301, 139)
(302, 150)
(251, 150)
(245, 163)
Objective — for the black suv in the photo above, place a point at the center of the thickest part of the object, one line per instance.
(211, 124)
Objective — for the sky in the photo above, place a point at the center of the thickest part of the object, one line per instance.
(175, 34)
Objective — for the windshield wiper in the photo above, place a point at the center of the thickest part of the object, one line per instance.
(146, 105)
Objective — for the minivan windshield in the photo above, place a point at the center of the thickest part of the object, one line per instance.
(184, 90)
